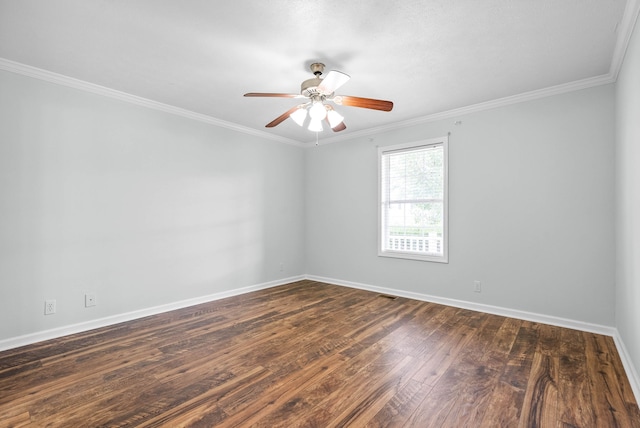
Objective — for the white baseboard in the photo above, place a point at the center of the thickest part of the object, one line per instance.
(627, 362)
(28, 339)
(630, 370)
(496, 310)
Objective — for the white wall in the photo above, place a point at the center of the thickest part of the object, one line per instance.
(141, 207)
(628, 200)
(531, 209)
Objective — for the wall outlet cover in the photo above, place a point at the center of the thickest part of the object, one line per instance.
(49, 307)
(89, 300)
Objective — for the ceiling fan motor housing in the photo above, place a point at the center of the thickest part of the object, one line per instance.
(309, 87)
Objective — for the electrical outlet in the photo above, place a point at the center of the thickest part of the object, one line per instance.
(49, 307)
(89, 300)
(281, 267)
(477, 286)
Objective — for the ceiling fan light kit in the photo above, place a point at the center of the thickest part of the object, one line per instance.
(318, 91)
(315, 125)
(334, 118)
(299, 115)
(317, 110)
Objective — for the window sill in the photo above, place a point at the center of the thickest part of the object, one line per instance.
(413, 256)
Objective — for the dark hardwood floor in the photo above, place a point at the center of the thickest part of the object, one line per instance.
(310, 354)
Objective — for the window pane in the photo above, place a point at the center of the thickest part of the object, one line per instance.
(413, 201)
(416, 175)
(415, 227)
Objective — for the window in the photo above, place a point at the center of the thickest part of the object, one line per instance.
(413, 200)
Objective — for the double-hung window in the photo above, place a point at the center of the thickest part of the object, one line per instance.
(413, 200)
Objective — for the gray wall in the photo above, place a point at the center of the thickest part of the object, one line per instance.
(628, 200)
(141, 207)
(531, 209)
(145, 208)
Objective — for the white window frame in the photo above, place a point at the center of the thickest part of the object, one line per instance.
(382, 250)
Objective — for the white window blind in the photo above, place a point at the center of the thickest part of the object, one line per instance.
(413, 200)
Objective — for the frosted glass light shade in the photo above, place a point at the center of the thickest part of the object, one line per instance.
(315, 125)
(299, 116)
(334, 118)
(318, 111)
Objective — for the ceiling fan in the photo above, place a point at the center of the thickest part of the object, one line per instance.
(316, 91)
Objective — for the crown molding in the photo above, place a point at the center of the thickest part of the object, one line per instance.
(625, 31)
(59, 79)
(500, 102)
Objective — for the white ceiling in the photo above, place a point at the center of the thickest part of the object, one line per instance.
(427, 56)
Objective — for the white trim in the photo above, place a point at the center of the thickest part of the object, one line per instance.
(31, 338)
(475, 108)
(629, 368)
(479, 307)
(625, 31)
(59, 79)
(407, 255)
(48, 76)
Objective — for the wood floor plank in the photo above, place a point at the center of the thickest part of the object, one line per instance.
(574, 393)
(479, 380)
(269, 404)
(497, 354)
(436, 364)
(520, 357)
(472, 402)
(609, 405)
(440, 401)
(504, 406)
(540, 406)
(310, 354)
(364, 386)
(399, 408)
(375, 395)
(23, 419)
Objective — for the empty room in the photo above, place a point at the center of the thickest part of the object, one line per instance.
(319, 213)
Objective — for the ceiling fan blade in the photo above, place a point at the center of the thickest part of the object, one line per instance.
(333, 81)
(346, 100)
(278, 120)
(339, 127)
(269, 94)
